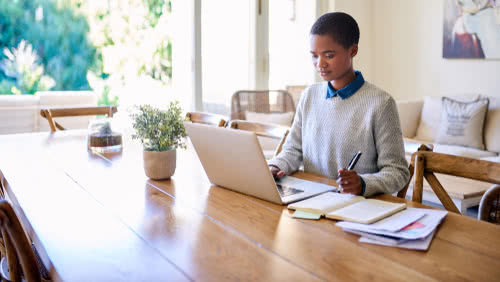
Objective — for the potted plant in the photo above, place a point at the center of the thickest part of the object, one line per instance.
(161, 132)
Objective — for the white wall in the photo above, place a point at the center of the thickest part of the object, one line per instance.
(362, 12)
(406, 51)
(289, 43)
(408, 54)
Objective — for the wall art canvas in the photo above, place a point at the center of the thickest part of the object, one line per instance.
(471, 29)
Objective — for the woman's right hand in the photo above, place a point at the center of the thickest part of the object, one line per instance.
(276, 172)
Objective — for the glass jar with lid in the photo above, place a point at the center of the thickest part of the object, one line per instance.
(104, 136)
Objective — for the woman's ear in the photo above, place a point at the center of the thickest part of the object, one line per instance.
(354, 50)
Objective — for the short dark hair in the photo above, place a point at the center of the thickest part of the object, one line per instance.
(341, 27)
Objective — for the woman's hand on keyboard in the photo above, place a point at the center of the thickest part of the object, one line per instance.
(276, 172)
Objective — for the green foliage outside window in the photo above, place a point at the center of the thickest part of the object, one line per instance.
(24, 74)
(58, 36)
(82, 45)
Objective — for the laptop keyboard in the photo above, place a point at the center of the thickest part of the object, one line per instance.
(287, 191)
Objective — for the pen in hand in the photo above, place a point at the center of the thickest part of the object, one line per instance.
(354, 160)
(351, 166)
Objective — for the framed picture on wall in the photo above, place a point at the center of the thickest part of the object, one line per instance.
(471, 29)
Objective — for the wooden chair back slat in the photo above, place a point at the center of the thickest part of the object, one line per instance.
(424, 163)
(260, 101)
(52, 113)
(461, 166)
(206, 118)
(268, 130)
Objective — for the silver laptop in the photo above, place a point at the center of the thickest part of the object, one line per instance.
(233, 159)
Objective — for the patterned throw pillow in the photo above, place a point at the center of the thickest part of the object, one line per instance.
(462, 123)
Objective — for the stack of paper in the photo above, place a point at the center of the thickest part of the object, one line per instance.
(411, 229)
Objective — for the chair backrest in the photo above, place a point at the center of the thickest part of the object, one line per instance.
(268, 130)
(489, 207)
(260, 101)
(206, 118)
(51, 113)
(426, 163)
(295, 91)
(17, 246)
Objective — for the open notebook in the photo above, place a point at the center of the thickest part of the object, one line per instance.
(348, 207)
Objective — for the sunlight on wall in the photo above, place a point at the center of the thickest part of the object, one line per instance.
(182, 54)
(289, 59)
(226, 43)
(225, 52)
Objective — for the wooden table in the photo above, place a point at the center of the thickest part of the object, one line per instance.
(98, 218)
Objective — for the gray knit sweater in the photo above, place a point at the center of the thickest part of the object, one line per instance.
(326, 133)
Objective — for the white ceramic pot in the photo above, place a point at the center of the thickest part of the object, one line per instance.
(159, 165)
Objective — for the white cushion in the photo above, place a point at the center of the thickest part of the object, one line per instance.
(18, 113)
(62, 98)
(429, 119)
(463, 151)
(411, 145)
(431, 116)
(277, 118)
(462, 123)
(492, 126)
(18, 101)
(409, 116)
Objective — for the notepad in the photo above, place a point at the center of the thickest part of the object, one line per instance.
(305, 215)
(348, 207)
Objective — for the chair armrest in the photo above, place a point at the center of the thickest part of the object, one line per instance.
(409, 116)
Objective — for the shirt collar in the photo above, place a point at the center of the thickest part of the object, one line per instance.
(348, 90)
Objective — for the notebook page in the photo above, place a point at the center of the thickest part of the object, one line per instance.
(398, 221)
(367, 211)
(325, 202)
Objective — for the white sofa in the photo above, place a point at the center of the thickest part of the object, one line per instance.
(21, 113)
(423, 116)
(420, 121)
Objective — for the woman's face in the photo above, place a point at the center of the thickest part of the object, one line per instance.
(331, 60)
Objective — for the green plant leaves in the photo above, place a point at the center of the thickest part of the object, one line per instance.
(159, 130)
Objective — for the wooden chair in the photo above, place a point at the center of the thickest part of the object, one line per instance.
(51, 113)
(206, 118)
(273, 131)
(489, 207)
(424, 163)
(17, 246)
(260, 101)
(295, 91)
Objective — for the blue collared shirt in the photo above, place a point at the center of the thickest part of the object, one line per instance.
(348, 90)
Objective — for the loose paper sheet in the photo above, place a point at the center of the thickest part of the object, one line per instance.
(420, 244)
(398, 220)
(416, 230)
